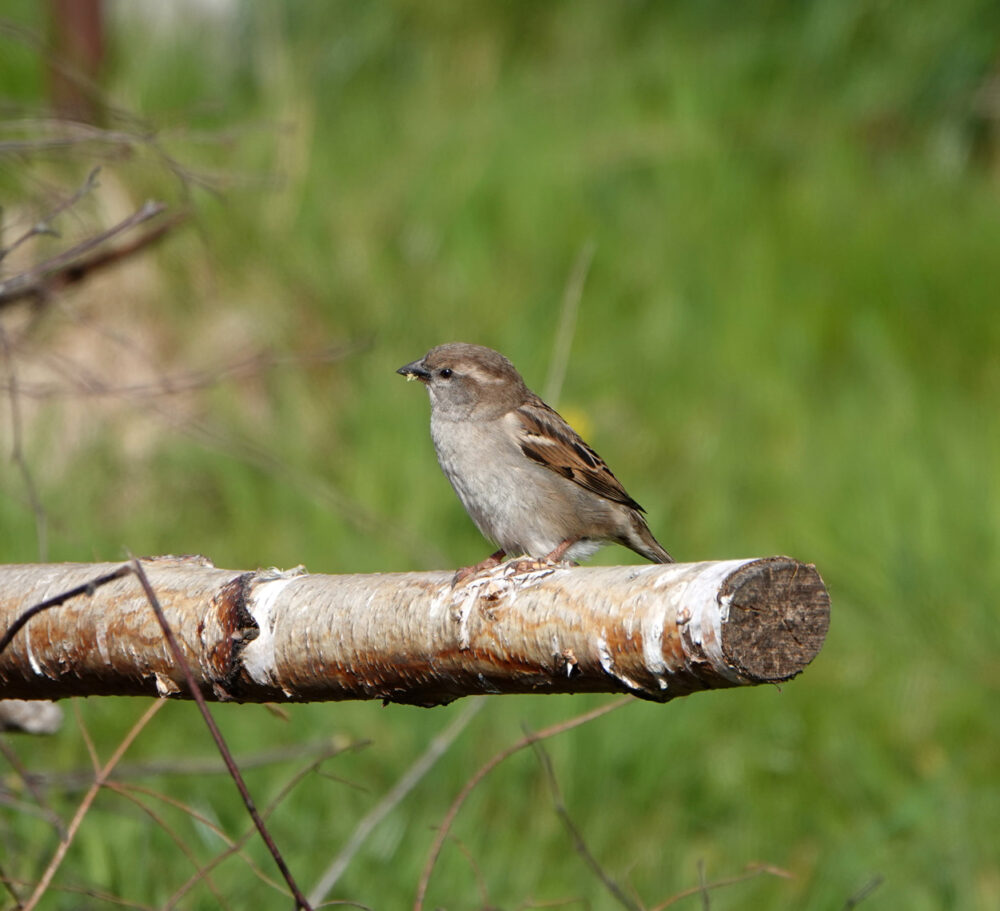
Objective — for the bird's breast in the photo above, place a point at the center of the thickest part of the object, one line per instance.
(505, 494)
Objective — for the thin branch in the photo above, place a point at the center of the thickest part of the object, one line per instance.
(351, 508)
(130, 790)
(85, 804)
(484, 896)
(485, 770)
(9, 885)
(180, 842)
(63, 134)
(31, 783)
(251, 365)
(73, 264)
(28, 809)
(858, 897)
(323, 749)
(88, 741)
(235, 847)
(237, 446)
(36, 135)
(406, 783)
(44, 224)
(213, 728)
(88, 588)
(703, 887)
(567, 322)
(97, 894)
(17, 450)
(579, 843)
(553, 903)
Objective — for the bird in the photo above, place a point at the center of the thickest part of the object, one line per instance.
(529, 482)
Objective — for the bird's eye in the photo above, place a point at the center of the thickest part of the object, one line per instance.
(445, 373)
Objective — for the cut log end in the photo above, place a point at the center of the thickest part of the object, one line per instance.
(779, 614)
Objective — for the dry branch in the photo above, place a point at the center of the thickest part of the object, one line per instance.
(78, 262)
(657, 631)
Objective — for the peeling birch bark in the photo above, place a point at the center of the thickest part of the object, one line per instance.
(657, 631)
(19, 716)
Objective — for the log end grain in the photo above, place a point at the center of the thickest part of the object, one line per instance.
(778, 617)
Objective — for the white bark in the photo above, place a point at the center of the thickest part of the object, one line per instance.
(658, 631)
(23, 717)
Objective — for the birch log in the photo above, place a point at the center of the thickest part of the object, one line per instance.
(657, 631)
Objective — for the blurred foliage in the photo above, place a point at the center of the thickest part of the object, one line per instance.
(787, 343)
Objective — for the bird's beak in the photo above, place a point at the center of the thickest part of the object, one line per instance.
(415, 371)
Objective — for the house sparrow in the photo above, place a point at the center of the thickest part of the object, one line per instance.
(528, 481)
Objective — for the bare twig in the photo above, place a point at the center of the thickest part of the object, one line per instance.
(567, 323)
(236, 845)
(88, 588)
(484, 896)
(9, 885)
(85, 804)
(703, 887)
(179, 841)
(357, 513)
(97, 894)
(323, 749)
(36, 135)
(130, 791)
(485, 770)
(17, 450)
(406, 783)
(858, 897)
(250, 365)
(213, 436)
(553, 903)
(46, 134)
(27, 809)
(579, 843)
(44, 224)
(31, 783)
(213, 728)
(88, 741)
(74, 264)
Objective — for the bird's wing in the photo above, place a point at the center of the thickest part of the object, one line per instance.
(546, 438)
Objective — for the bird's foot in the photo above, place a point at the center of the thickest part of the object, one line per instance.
(492, 561)
(557, 554)
(555, 558)
(530, 564)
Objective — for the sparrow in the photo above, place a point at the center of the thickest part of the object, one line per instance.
(526, 478)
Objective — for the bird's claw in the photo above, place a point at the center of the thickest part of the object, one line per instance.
(534, 564)
(466, 572)
(511, 567)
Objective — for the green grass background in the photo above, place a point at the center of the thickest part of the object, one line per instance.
(788, 342)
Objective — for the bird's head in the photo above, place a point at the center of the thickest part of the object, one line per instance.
(468, 381)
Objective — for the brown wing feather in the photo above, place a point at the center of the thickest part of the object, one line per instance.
(551, 442)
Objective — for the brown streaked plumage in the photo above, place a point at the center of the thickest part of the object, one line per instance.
(527, 479)
(550, 441)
